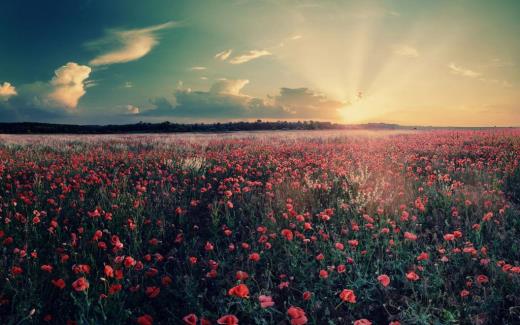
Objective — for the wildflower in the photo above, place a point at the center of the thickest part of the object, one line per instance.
(482, 279)
(241, 275)
(423, 256)
(384, 280)
(412, 276)
(145, 320)
(266, 301)
(362, 321)
(307, 295)
(348, 295)
(228, 320)
(449, 237)
(288, 234)
(46, 268)
(59, 283)
(255, 257)
(81, 284)
(297, 316)
(190, 319)
(241, 291)
(152, 292)
(324, 274)
(410, 236)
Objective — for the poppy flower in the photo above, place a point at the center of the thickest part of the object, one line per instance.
(362, 321)
(410, 236)
(412, 276)
(59, 283)
(266, 301)
(241, 275)
(145, 320)
(228, 320)
(297, 316)
(46, 268)
(464, 293)
(384, 280)
(348, 295)
(241, 291)
(482, 279)
(190, 319)
(81, 284)
(152, 292)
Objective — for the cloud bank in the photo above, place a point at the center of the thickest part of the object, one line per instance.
(131, 44)
(225, 100)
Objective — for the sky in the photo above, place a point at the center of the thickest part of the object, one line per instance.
(441, 63)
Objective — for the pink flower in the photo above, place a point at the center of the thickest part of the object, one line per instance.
(266, 301)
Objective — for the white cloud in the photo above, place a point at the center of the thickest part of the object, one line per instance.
(406, 51)
(69, 84)
(228, 87)
(133, 44)
(198, 68)
(7, 90)
(128, 84)
(463, 71)
(248, 56)
(224, 55)
(296, 37)
(132, 110)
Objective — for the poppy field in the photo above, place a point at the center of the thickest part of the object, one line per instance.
(324, 227)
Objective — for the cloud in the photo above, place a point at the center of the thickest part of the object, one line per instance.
(477, 75)
(6, 91)
(133, 44)
(198, 68)
(224, 55)
(248, 56)
(406, 51)
(296, 37)
(228, 87)
(69, 84)
(225, 100)
(306, 103)
(132, 110)
(463, 71)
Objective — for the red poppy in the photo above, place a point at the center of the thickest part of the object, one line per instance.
(412, 276)
(297, 316)
(59, 283)
(384, 280)
(145, 320)
(152, 292)
(266, 301)
(190, 319)
(81, 284)
(348, 295)
(241, 291)
(228, 320)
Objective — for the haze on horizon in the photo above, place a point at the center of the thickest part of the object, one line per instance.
(443, 63)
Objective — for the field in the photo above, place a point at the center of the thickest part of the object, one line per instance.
(324, 227)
